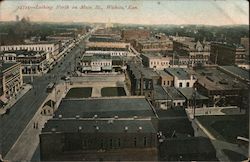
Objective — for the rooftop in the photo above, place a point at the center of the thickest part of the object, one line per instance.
(153, 55)
(5, 66)
(147, 73)
(94, 57)
(215, 79)
(236, 71)
(163, 73)
(174, 93)
(23, 53)
(160, 93)
(101, 126)
(180, 73)
(188, 93)
(108, 44)
(105, 107)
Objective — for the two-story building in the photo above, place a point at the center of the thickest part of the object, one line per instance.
(155, 61)
(182, 77)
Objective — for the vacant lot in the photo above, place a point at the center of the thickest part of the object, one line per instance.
(226, 127)
(113, 91)
(83, 92)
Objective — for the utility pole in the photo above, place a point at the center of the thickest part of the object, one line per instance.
(31, 71)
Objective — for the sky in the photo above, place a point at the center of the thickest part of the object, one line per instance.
(207, 12)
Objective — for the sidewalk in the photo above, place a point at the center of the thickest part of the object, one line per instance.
(13, 100)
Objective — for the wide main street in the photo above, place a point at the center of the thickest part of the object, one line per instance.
(13, 123)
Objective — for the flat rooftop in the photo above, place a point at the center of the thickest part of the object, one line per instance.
(180, 73)
(101, 126)
(5, 66)
(23, 53)
(237, 71)
(106, 107)
(152, 55)
(215, 79)
(137, 70)
(174, 93)
(160, 93)
(188, 93)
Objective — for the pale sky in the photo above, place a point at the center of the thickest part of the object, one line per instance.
(208, 12)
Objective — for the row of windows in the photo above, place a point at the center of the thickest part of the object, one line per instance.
(168, 83)
(28, 48)
(187, 84)
(157, 63)
(101, 63)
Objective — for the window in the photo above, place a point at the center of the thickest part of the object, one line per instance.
(180, 84)
(168, 82)
(135, 142)
(145, 141)
(164, 83)
(187, 84)
(119, 142)
(111, 143)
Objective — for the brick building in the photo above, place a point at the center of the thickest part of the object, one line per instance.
(197, 53)
(227, 54)
(32, 62)
(132, 34)
(12, 79)
(153, 45)
(155, 61)
(118, 128)
(221, 88)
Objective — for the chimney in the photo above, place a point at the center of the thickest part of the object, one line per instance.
(142, 83)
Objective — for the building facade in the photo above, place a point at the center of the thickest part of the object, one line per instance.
(153, 45)
(197, 53)
(227, 54)
(52, 48)
(12, 79)
(182, 77)
(131, 34)
(155, 61)
(32, 62)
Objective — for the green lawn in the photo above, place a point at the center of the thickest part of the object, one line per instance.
(113, 91)
(83, 92)
(226, 127)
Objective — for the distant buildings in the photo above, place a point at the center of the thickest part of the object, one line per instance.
(101, 62)
(108, 129)
(195, 53)
(153, 45)
(11, 80)
(32, 62)
(227, 54)
(113, 48)
(133, 34)
(155, 61)
(52, 48)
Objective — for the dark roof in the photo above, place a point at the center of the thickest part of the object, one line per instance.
(190, 145)
(179, 72)
(102, 126)
(147, 73)
(5, 66)
(188, 93)
(160, 93)
(174, 93)
(238, 72)
(24, 52)
(214, 79)
(105, 107)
